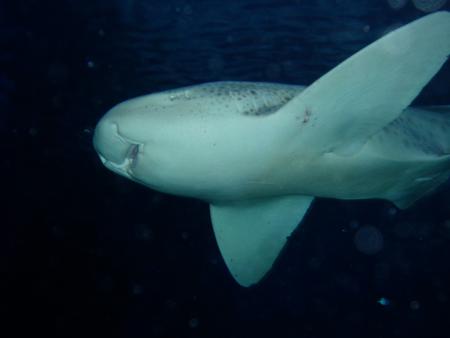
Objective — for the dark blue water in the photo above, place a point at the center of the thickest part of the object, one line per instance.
(85, 253)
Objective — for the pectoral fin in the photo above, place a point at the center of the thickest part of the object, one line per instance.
(371, 88)
(251, 233)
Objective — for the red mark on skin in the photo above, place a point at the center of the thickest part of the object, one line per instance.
(307, 115)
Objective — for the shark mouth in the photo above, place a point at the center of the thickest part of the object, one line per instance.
(125, 168)
(132, 155)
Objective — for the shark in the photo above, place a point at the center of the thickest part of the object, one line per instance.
(260, 153)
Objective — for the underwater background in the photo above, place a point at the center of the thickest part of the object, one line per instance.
(86, 253)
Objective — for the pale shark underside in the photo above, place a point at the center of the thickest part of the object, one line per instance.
(260, 152)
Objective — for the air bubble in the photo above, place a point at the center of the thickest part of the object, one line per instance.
(397, 4)
(428, 6)
(383, 301)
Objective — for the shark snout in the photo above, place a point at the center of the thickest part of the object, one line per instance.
(117, 152)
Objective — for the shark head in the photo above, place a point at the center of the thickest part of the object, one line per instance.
(189, 141)
(141, 139)
(116, 152)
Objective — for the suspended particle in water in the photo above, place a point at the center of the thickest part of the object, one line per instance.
(369, 240)
(414, 305)
(383, 301)
(193, 323)
(90, 64)
(397, 4)
(392, 212)
(428, 6)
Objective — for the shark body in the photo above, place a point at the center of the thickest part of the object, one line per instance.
(259, 153)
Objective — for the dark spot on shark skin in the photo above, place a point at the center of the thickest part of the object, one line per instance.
(250, 112)
(262, 111)
(306, 115)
